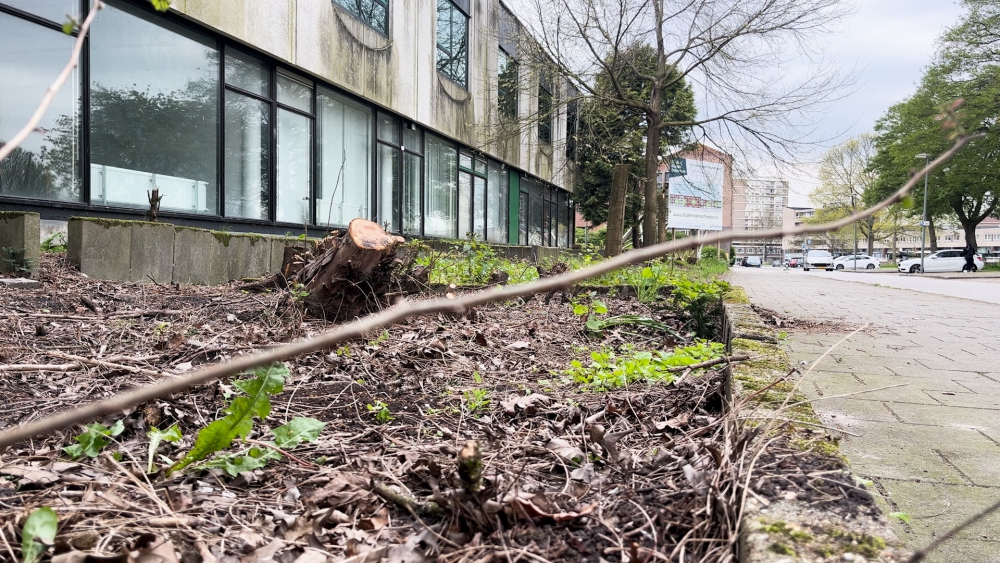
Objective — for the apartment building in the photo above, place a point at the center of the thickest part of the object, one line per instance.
(284, 115)
(758, 205)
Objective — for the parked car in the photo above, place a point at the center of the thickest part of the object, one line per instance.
(864, 262)
(794, 263)
(941, 261)
(776, 264)
(752, 261)
(817, 259)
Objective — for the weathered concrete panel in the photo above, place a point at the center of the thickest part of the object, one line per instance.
(246, 256)
(151, 253)
(198, 258)
(100, 248)
(278, 245)
(19, 230)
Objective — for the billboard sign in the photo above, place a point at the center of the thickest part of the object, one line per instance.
(695, 197)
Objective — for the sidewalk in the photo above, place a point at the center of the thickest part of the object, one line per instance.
(917, 396)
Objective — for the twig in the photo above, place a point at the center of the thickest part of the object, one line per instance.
(40, 367)
(405, 310)
(710, 363)
(164, 509)
(920, 554)
(424, 508)
(50, 93)
(102, 363)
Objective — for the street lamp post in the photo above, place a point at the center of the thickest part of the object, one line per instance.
(923, 218)
(854, 210)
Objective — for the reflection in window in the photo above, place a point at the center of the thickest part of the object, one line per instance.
(388, 128)
(496, 204)
(294, 94)
(388, 194)
(375, 13)
(344, 159)
(46, 165)
(294, 167)
(412, 216)
(506, 85)
(479, 207)
(572, 121)
(452, 41)
(544, 113)
(522, 218)
(464, 204)
(53, 10)
(248, 139)
(154, 99)
(247, 73)
(441, 178)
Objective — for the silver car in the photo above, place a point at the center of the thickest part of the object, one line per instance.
(818, 259)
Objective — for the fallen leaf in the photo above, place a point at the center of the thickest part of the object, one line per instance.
(377, 522)
(414, 550)
(311, 556)
(265, 553)
(519, 345)
(151, 548)
(585, 474)
(30, 475)
(527, 403)
(537, 505)
(481, 340)
(566, 451)
(343, 489)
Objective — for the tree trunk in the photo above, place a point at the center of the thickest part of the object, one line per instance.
(932, 235)
(970, 235)
(349, 274)
(616, 210)
(652, 164)
(871, 235)
(661, 218)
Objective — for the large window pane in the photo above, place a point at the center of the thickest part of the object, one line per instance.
(294, 93)
(544, 114)
(535, 221)
(46, 165)
(55, 10)
(464, 204)
(294, 167)
(248, 73)
(452, 41)
(345, 160)
(411, 140)
(479, 207)
(373, 12)
(442, 178)
(411, 194)
(496, 205)
(154, 99)
(388, 182)
(248, 141)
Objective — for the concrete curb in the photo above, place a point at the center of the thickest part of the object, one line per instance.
(145, 252)
(19, 231)
(789, 530)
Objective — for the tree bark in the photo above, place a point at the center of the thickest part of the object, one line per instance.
(661, 217)
(932, 235)
(349, 274)
(649, 204)
(616, 210)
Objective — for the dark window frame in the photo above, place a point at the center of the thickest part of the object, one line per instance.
(341, 5)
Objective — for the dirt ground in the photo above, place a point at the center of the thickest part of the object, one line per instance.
(649, 472)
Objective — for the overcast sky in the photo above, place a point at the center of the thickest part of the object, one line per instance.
(888, 43)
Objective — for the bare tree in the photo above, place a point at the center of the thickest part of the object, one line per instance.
(735, 52)
(846, 176)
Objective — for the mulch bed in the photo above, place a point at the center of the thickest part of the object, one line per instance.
(652, 472)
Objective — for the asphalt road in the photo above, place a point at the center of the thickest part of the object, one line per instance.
(921, 415)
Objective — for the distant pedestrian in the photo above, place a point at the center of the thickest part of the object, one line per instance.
(969, 254)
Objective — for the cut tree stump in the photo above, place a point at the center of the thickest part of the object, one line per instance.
(350, 274)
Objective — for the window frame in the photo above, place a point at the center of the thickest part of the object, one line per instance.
(384, 3)
(545, 122)
(512, 67)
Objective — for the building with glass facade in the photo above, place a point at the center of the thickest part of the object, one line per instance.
(284, 115)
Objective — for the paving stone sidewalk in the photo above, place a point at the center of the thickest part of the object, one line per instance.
(923, 420)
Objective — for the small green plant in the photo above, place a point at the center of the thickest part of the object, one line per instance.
(344, 351)
(380, 411)
(38, 533)
(298, 292)
(156, 436)
(18, 260)
(93, 439)
(590, 310)
(381, 338)
(608, 371)
(475, 399)
(56, 242)
(647, 289)
(238, 423)
(286, 437)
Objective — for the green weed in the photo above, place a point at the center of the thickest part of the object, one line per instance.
(56, 242)
(474, 400)
(608, 371)
(381, 412)
(93, 439)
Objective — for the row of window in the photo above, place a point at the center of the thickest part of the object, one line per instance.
(222, 132)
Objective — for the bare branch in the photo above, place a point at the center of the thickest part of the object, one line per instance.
(404, 310)
(50, 93)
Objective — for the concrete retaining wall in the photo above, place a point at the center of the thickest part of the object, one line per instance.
(19, 232)
(137, 251)
(533, 254)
